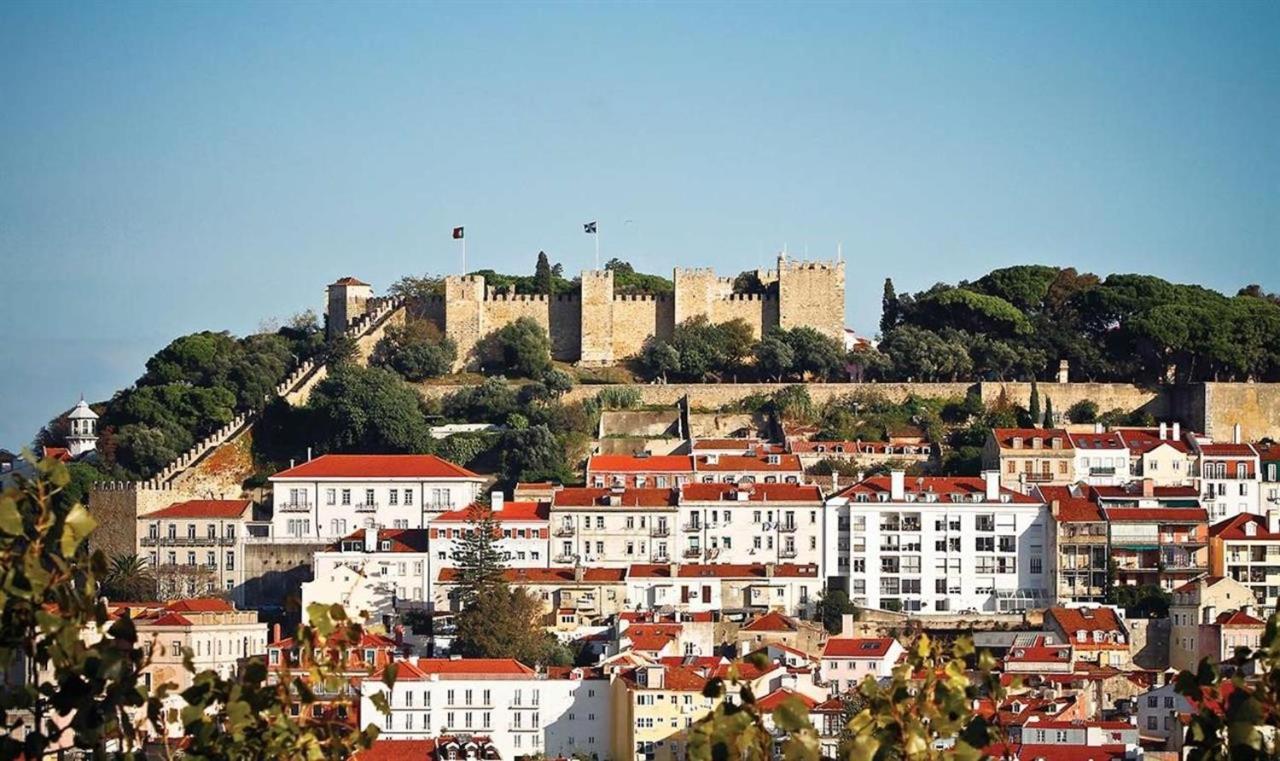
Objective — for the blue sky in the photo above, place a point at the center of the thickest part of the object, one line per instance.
(166, 168)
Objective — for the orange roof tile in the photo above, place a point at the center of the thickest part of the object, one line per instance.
(755, 493)
(585, 497)
(1005, 436)
(625, 463)
(772, 621)
(377, 466)
(499, 668)
(511, 512)
(747, 463)
(202, 508)
(857, 647)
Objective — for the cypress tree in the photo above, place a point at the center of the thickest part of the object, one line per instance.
(1034, 409)
(476, 557)
(890, 312)
(542, 273)
(1048, 412)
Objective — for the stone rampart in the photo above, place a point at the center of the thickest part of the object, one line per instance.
(1255, 406)
(1108, 396)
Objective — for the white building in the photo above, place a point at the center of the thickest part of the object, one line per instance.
(196, 548)
(613, 527)
(564, 713)
(1158, 710)
(82, 435)
(846, 661)
(327, 498)
(933, 544)
(1101, 459)
(1160, 454)
(373, 574)
(525, 539)
(753, 588)
(751, 523)
(1230, 480)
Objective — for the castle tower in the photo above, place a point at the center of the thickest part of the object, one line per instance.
(464, 297)
(348, 301)
(597, 318)
(83, 436)
(811, 294)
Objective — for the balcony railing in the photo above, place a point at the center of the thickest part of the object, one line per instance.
(294, 507)
(368, 507)
(1037, 478)
(659, 531)
(787, 527)
(563, 558)
(564, 530)
(787, 552)
(186, 541)
(662, 557)
(693, 552)
(1102, 471)
(691, 527)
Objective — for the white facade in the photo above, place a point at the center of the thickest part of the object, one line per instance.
(846, 661)
(787, 588)
(525, 541)
(82, 434)
(751, 523)
(373, 575)
(333, 495)
(613, 527)
(1230, 480)
(524, 713)
(1101, 459)
(1158, 711)
(938, 545)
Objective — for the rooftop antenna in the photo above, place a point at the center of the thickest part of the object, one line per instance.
(839, 251)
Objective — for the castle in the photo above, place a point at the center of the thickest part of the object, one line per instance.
(597, 326)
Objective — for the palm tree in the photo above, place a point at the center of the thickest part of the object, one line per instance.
(129, 577)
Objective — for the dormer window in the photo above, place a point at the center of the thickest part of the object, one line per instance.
(1037, 442)
(1017, 442)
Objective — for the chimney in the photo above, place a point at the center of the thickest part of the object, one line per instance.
(1177, 431)
(579, 573)
(992, 478)
(1054, 508)
(769, 570)
(1164, 431)
(846, 625)
(308, 454)
(1098, 428)
(1148, 487)
(897, 485)
(495, 500)
(1235, 434)
(371, 539)
(275, 633)
(398, 631)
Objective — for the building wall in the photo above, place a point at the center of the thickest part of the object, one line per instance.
(811, 294)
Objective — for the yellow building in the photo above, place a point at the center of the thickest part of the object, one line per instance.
(654, 706)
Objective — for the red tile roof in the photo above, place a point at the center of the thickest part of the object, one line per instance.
(533, 512)
(677, 678)
(1233, 529)
(1159, 514)
(348, 280)
(1143, 440)
(1059, 752)
(1071, 621)
(943, 487)
(743, 444)
(1227, 450)
(755, 492)
(1238, 618)
(772, 621)
(337, 639)
(1097, 441)
(625, 463)
(424, 466)
(202, 508)
(488, 668)
(200, 605)
(1074, 506)
(723, 571)
(1005, 436)
(857, 647)
(398, 750)
(584, 497)
(1134, 491)
(171, 619)
(748, 464)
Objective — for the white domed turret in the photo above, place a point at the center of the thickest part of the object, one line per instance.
(83, 436)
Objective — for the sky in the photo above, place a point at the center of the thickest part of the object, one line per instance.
(173, 167)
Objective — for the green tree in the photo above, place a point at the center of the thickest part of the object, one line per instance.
(415, 350)
(533, 454)
(522, 347)
(490, 402)
(476, 556)
(542, 273)
(833, 605)
(504, 622)
(1083, 411)
(1034, 407)
(358, 409)
(129, 577)
(660, 359)
(774, 357)
(889, 309)
(1048, 412)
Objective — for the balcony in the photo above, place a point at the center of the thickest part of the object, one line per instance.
(787, 552)
(185, 541)
(564, 530)
(565, 558)
(1037, 478)
(368, 507)
(691, 527)
(693, 552)
(294, 507)
(1100, 471)
(787, 527)
(659, 531)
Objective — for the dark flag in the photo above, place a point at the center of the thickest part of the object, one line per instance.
(457, 233)
(589, 228)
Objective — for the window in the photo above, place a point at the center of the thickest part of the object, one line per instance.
(985, 543)
(330, 496)
(346, 496)
(191, 531)
(1037, 565)
(393, 497)
(368, 496)
(408, 496)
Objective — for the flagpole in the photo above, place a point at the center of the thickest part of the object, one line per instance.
(597, 237)
(464, 252)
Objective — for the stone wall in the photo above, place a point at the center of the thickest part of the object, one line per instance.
(760, 311)
(597, 318)
(638, 318)
(1255, 406)
(1108, 396)
(274, 574)
(811, 294)
(116, 506)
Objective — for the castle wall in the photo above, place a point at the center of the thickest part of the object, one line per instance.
(757, 310)
(1161, 403)
(463, 310)
(811, 294)
(597, 318)
(1255, 406)
(636, 319)
(566, 327)
(696, 292)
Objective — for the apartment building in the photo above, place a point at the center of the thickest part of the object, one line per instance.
(524, 539)
(1097, 635)
(325, 499)
(1160, 454)
(1230, 482)
(641, 471)
(1025, 457)
(765, 468)
(561, 713)
(1101, 458)
(750, 522)
(1269, 467)
(1078, 538)
(1246, 549)
(789, 588)
(1194, 613)
(846, 661)
(864, 454)
(613, 527)
(354, 662)
(1157, 535)
(196, 547)
(374, 574)
(933, 544)
(581, 593)
(654, 707)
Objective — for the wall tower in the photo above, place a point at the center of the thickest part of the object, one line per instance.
(348, 301)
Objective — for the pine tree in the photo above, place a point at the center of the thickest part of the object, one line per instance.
(476, 557)
(542, 273)
(1034, 410)
(1048, 412)
(889, 308)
